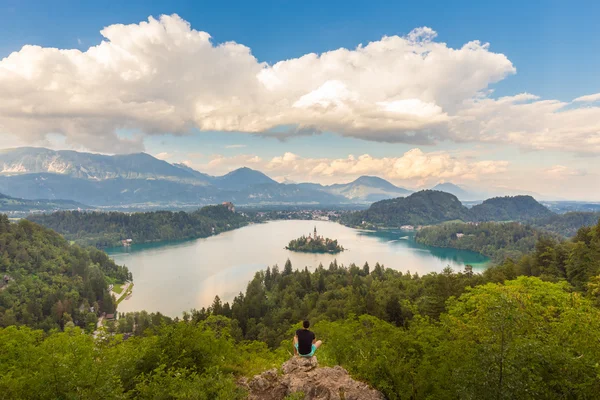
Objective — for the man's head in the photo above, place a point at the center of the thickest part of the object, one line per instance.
(306, 324)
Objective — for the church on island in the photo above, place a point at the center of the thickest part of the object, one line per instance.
(313, 243)
(315, 237)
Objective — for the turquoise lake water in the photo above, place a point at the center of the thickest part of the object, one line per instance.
(175, 277)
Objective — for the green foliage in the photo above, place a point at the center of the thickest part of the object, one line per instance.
(184, 360)
(310, 245)
(295, 396)
(496, 240)
(16, 207)
(525, 339)
(577, 261)
(421, 208)
(275, 300)
(52, 282)
(433, 207)
(509, 208)
(566, 224)
(108, 229)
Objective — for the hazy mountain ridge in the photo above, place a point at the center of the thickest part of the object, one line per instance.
(461, 192)
(96, 179)
(364, 189)
(32, 160)
(143, 181)
(367, 189)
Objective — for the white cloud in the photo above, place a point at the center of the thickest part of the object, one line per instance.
(163, 156)
(589, 98)
(414, 165)
(162, 76)
(235, 146)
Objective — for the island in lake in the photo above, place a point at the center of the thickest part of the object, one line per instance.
(314, 244)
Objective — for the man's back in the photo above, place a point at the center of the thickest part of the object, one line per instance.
(305, 341)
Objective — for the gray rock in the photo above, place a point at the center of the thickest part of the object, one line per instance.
(303, 375)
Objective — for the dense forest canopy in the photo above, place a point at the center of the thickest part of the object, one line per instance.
(509, 208)
(108, 229)
(495, 240)
(171, 361)
(51, 282)
(566, 224)
(421, 208)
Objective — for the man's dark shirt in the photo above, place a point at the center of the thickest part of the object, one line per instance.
(305, 339)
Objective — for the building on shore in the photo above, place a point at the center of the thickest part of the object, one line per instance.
(229, 206)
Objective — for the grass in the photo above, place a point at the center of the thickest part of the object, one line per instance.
(118, 288)
(127, 293)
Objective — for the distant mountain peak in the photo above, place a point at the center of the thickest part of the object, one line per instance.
(98, 167)
(243, 177)
(248, 172)
(373, 181)
(367, 189)
(287, 181)
(458, 190)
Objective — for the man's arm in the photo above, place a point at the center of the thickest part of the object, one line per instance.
(294, 344)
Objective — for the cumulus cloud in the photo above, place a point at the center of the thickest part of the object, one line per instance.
(414, 165)
(588, 98)
(162, 76)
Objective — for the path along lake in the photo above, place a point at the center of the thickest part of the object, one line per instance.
(176, 277)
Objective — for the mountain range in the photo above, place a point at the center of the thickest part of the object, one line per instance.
(141, 181)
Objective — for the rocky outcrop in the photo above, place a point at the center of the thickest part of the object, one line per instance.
(302, 376)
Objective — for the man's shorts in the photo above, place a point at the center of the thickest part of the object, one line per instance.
(312, 351)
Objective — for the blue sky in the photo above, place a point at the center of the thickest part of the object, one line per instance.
(553, 45)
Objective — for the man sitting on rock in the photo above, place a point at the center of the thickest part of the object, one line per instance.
(305, 342)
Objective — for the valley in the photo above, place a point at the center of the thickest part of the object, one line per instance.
(334, 200)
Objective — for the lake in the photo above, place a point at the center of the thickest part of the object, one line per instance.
(175, 277)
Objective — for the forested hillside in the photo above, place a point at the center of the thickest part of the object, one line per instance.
(107, 229)
(21, 207)
(51, 282)
(525, 329)
(495, 240)
(566, 224)
(431, 207)
(421, 208)
(509, 208)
